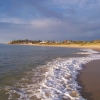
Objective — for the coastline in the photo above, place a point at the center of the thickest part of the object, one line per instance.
(89, 81)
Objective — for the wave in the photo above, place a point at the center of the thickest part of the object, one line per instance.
(54, 81)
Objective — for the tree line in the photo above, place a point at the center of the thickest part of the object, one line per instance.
(26, 41)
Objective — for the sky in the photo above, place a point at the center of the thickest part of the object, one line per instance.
(49, 20)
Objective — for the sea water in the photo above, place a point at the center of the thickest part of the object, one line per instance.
(41, 73)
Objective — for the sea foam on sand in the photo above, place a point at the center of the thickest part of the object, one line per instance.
(59, 80)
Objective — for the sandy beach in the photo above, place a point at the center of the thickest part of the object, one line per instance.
(97, 47)
(89, 80)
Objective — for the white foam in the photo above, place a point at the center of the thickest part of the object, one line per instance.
(87, 51)
(59, 82)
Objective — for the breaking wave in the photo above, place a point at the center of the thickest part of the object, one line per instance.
(54, 81)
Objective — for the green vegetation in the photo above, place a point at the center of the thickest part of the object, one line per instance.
(49, 42)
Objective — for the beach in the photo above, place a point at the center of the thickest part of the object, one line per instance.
(89, 80)
(95, 47)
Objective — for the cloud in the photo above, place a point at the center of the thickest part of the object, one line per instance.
(82, 3)
(50, 19)
(32, 9)
(50, 29)
(12, 20)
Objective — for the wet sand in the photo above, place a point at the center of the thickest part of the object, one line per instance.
(89, 80)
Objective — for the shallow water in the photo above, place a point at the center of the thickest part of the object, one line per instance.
(41, 73)
(16, 61)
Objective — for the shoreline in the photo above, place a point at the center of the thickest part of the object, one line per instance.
(89, 81)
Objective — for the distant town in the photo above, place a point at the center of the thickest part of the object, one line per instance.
(49, 42)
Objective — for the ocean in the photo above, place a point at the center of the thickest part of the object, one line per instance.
(41, 72)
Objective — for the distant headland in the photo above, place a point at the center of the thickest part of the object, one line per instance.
(67, 43)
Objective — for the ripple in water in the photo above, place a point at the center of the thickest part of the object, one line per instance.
(53, 81)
